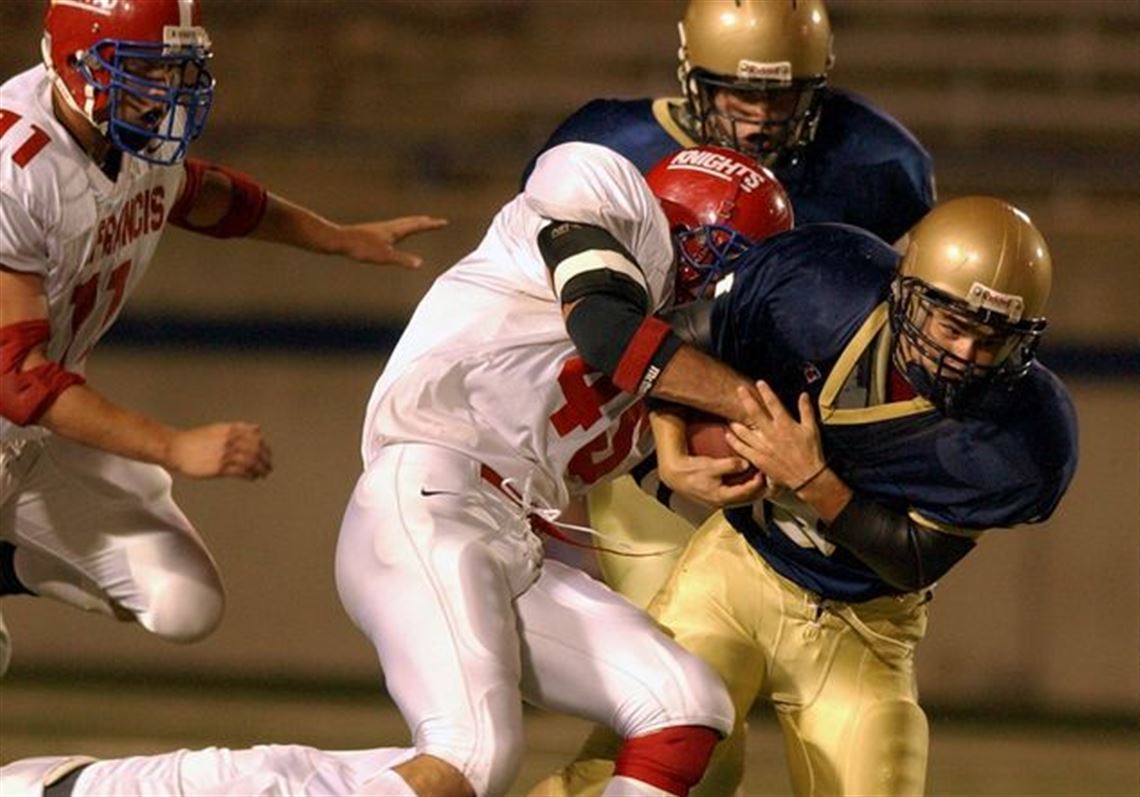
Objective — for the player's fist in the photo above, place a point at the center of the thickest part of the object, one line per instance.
(221, 449)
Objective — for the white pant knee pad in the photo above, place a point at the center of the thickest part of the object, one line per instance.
(688, 693)
(183, 609)
(490, 758)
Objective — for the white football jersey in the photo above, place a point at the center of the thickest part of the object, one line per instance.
(486, 366)
(91, 239)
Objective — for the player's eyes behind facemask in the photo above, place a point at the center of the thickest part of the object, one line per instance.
(761, 123)
(136, 71)
(967, 306)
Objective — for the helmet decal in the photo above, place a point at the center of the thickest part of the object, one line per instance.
(718, 203)
(980, 297)
(780, 72)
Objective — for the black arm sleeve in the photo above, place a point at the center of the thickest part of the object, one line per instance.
(906, 555)
(614, 336)
(692, 322)
(609, 325)
(563, 241)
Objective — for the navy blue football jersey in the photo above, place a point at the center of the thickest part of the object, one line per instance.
(807, 312)
(862, 168)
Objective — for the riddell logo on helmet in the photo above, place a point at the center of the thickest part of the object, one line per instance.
(986, 298)
(779, 71)
(719, 166)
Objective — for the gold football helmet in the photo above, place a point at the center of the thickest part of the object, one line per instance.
(772, 55)
(979, 264)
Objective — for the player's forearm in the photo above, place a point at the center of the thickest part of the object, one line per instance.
(826, 493)
(214, 194)
(287, 223)
(695, 379)
(668, 428)
(906, 555)
(83, 415)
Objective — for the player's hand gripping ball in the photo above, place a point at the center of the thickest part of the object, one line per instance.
(704, 434)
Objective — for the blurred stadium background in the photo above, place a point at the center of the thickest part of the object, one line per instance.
(1031, 670)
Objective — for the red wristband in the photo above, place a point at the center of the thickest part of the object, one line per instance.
(639, 353)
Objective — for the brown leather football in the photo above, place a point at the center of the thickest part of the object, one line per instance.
(704, 434)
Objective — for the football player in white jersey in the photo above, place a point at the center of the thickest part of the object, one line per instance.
(266, 770)
(92, 167)
(518, 383)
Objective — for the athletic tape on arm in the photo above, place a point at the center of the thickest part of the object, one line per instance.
(248, 200)
(26, 395)
(609, 324)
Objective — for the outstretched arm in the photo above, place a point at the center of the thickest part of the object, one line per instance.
(221, 202)
(36, 390)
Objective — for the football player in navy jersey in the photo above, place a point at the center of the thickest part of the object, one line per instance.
(754, 78)
(920, 419)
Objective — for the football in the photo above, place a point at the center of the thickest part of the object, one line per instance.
(704, 434)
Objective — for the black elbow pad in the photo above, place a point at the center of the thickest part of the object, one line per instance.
(903, 553)
(585, 259)
(692, 322)
(615, 338)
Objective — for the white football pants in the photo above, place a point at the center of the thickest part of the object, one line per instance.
(103, 533)
(443, 574)
(263, 771)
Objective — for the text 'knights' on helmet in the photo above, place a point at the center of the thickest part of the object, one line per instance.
(982, 261)
(135, 69)
(772, 55)
(718, 203)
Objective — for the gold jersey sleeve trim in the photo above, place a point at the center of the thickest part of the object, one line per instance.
(830, 414)
(664, 117)
(944, 528)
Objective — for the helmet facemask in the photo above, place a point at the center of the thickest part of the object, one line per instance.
(957, 386)
(791, 114)
(705, 254)
(170, 80)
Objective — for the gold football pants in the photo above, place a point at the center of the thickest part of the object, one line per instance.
(622, 512)
(840, 676)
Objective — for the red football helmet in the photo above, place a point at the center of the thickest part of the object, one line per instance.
(108, 56)
(718, 203)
